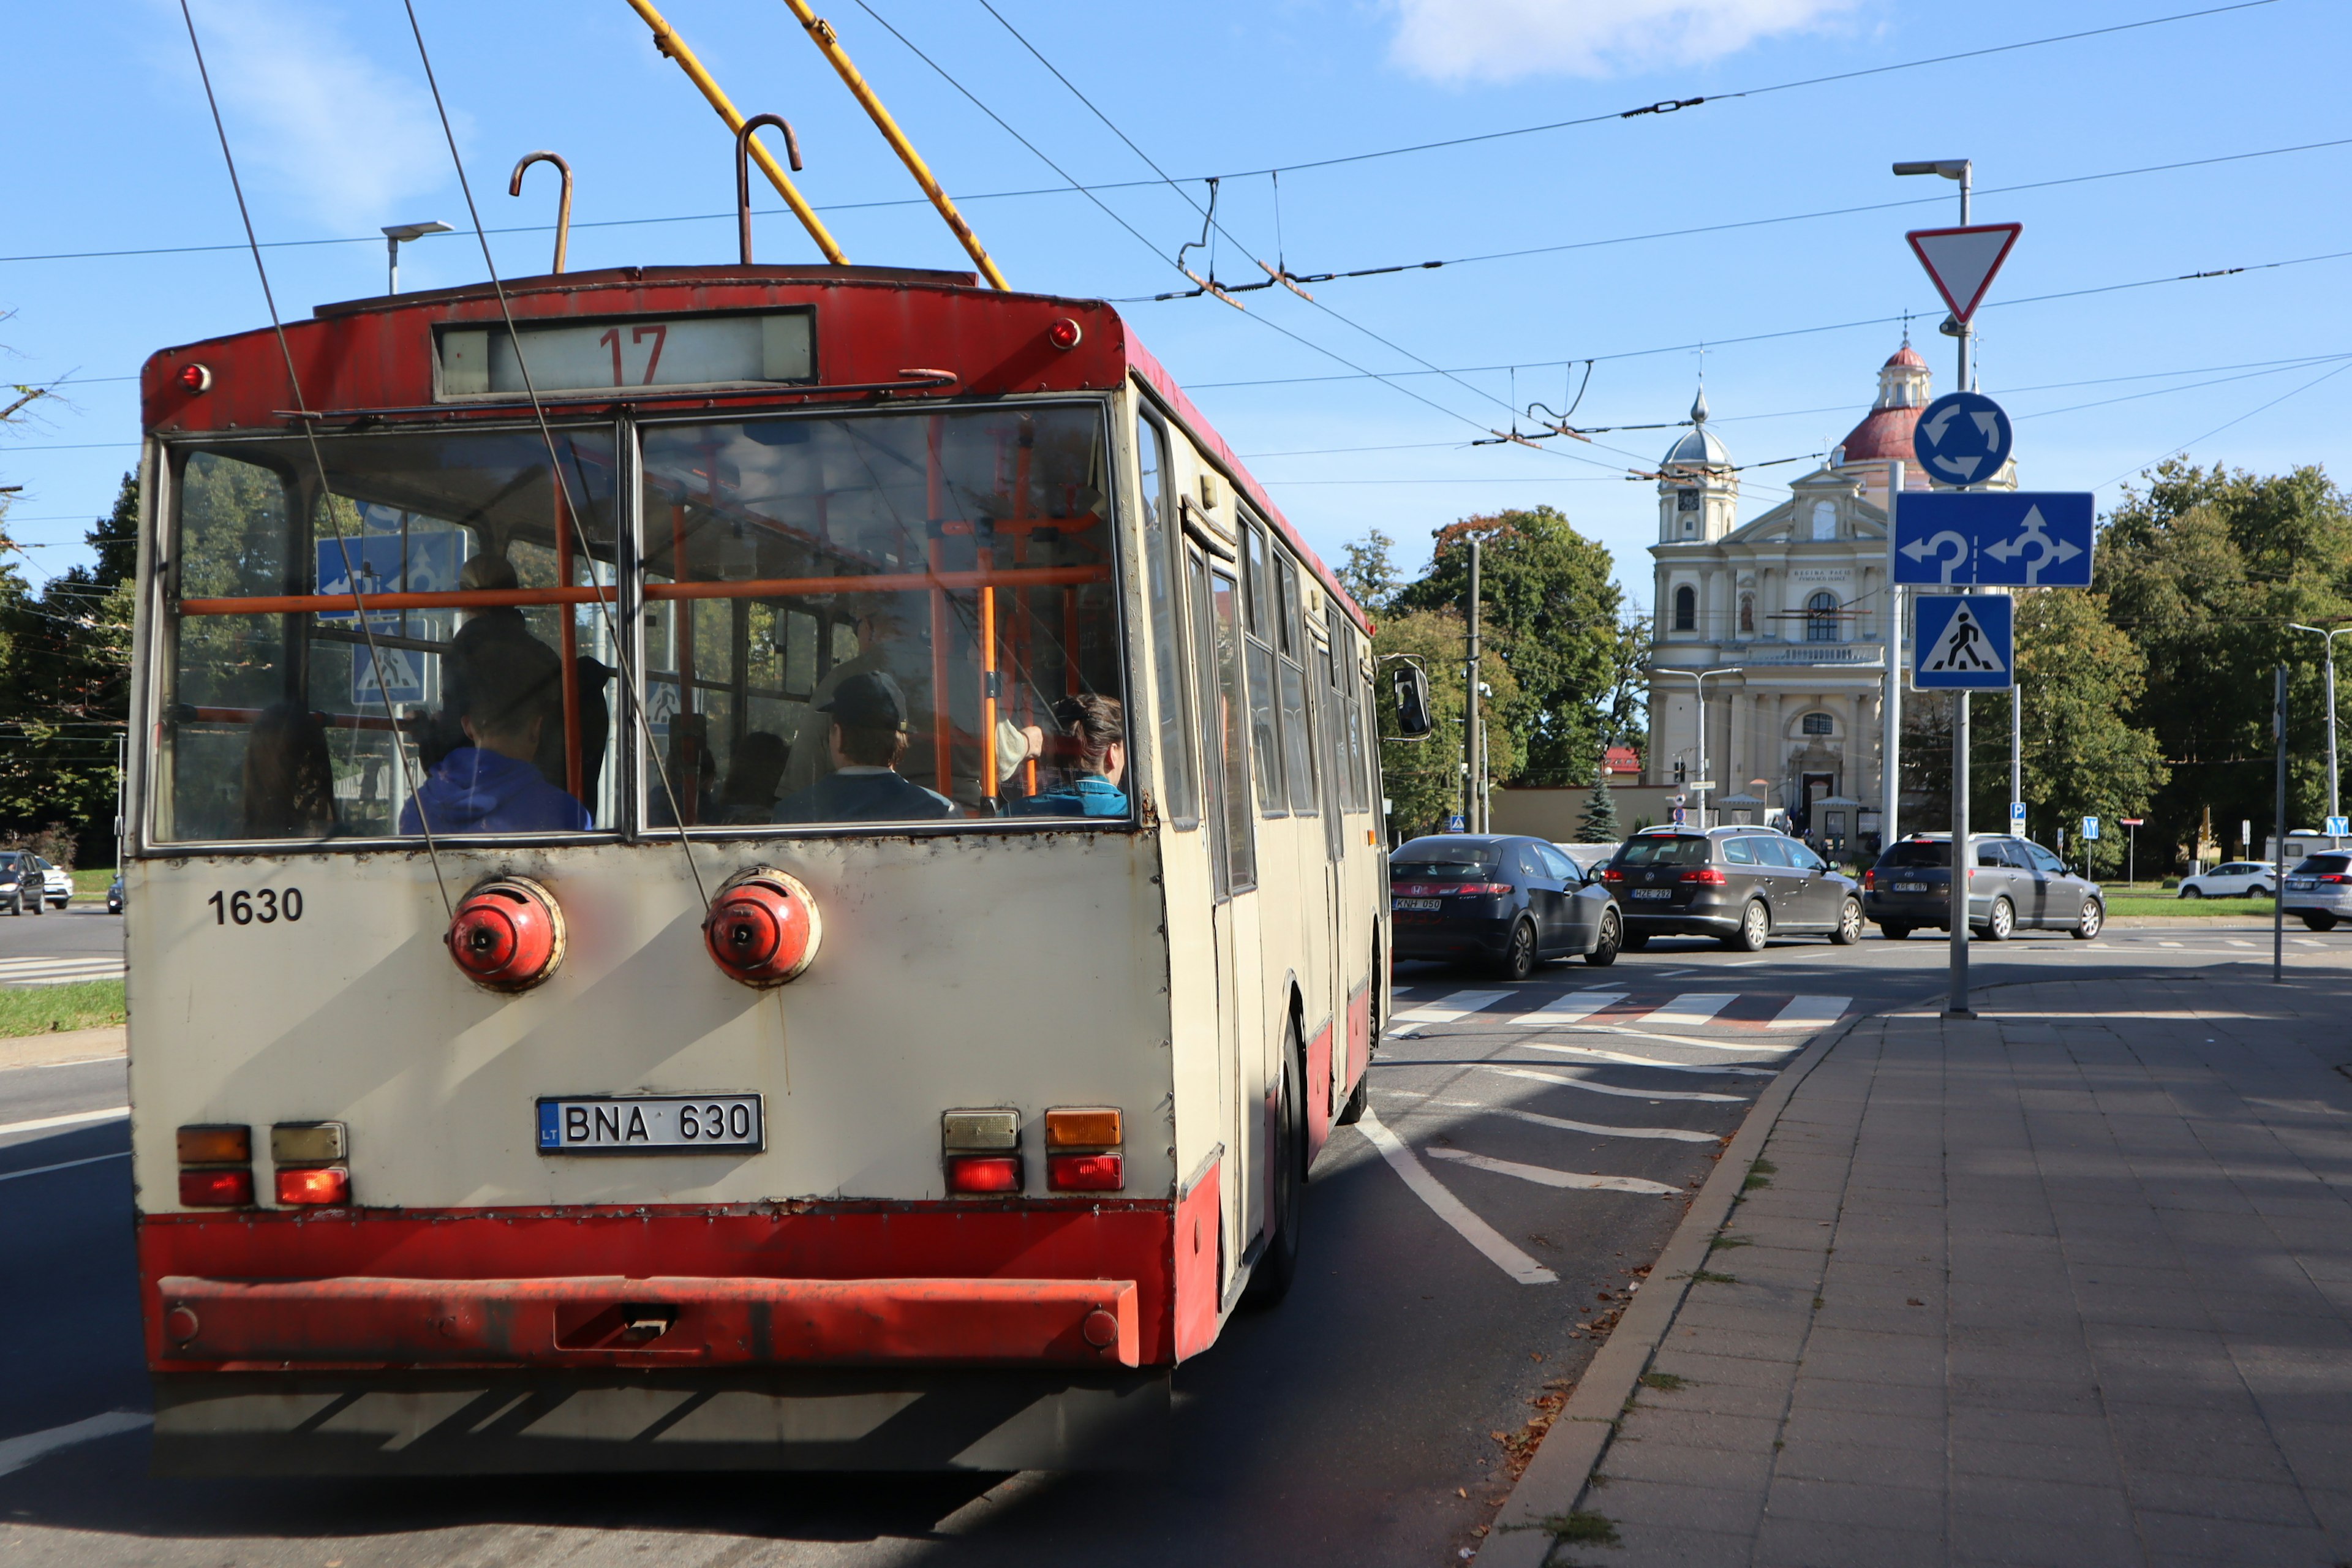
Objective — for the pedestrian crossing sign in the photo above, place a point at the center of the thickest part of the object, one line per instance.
(1962, 642)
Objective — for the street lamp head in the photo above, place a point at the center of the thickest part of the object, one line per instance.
(405, 232)
(1950, 168)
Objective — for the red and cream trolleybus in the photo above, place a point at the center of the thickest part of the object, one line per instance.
(735, 867)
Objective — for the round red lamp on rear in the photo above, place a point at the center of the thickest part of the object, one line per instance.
(197, 377)
(1064, 333)
(764, 928)
(507, 934)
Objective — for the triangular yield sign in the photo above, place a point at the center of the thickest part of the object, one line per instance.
(1964, 646)
(1962, 261)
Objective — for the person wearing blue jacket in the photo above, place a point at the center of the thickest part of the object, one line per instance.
(1097, 726)
(492, 784)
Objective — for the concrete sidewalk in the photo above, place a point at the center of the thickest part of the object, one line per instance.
(2068, 1285)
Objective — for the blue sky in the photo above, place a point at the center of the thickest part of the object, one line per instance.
(336, 136)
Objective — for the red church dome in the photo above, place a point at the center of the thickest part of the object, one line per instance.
(1884, 433)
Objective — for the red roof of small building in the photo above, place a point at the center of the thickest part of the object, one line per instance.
(1622, 760)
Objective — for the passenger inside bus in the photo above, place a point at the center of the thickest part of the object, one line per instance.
(493, 783)
(1096, 726)
(868, 736)
(757, 768)
(290, 784)
(885, 646)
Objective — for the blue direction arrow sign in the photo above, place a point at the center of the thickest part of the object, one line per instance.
(1962, 439)
(1962, 642)
(2013, 538)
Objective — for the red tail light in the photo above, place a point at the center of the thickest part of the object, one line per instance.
(1612, 875)
(2331, 876)
(764, 928)
(1869, 880)
(322, 1184)
(507, 934)
(217, 1189)
(1480, 890)
(1085, 1172)
(197, 378)
(984, 1173)
(1709, 876)
(1064, 334)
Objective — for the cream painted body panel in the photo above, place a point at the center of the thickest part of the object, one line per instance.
(1022, 970)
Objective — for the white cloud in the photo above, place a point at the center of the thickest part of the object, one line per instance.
(1496, 40)
(313, 120)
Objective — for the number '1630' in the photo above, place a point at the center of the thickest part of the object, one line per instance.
(266, 907)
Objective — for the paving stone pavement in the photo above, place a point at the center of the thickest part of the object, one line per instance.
(2068, 1285)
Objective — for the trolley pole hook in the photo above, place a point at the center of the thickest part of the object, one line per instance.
(563, 202)
(743, 172)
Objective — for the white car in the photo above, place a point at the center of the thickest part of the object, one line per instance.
(2236, 879)
(58, 885)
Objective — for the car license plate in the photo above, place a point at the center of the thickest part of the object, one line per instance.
(1416, 904)
(652, 1124)
(1653, 892)
(1910, 887)
(2299, 884)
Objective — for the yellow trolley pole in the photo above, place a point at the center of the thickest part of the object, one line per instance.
(821, 31)
(666, 40)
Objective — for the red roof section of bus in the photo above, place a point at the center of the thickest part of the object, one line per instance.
(375, 357)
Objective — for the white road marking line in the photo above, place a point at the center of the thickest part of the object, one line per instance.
(2227, 941)
(16, 1453)
(1748, 963)
(1627, 1059)
(1697, 1042)
(111, 1113)
(2306, 941)
(1811, 1012)
(2168, 945)
(1446, 1009)
(1670, 973)
(1691, 1010)
(1551, 1178)
(1570, 1008)
(1449, 1208)
(1674, 1134)
(61, 1165)
(1557, 1083)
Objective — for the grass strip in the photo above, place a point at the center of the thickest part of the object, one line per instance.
(47, 1009)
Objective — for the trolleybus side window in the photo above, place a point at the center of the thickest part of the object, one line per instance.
(1259, 624)
(1348, 727)
(1225, 723)
(968, 555)
(483, 661)
(1297, 736)
(1180, 796)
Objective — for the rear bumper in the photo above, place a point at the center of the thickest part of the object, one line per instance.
(493, 1423)
(1449, 938)
(1713, 915)
(673, 1322)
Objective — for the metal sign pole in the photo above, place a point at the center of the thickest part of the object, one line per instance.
(1890, 751)
(1962, 860)
(1473, 753)
(2278, 863)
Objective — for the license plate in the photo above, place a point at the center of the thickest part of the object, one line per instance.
(1430, 905)
(653, 1125)
(1653, 892)
(1910, 887)
(2299, 884)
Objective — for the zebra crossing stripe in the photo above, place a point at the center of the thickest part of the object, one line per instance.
(1447, 1009)
(1558, 1082)
(1572, 1008)
(1811, 1012)
(1692, 1010)
(1548, 1177)
(59, 971)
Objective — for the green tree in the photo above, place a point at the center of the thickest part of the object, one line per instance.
(1422, 779)
(1551, 613)
(1599, 822)
(2207, 571)
(1370, 573)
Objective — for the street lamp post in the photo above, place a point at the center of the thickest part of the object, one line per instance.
(2329, 637)
(1698, 679)
(397, 234)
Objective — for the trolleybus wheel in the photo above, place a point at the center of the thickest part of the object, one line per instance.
(1277, 1266)
(1353, 1112)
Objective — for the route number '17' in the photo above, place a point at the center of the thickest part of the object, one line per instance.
(266, 907)
(659, 332)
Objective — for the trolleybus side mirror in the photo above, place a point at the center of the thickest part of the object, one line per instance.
(743, 173)
(562, 201)
(1414, 722)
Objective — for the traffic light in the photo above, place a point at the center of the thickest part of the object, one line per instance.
(1682, 772)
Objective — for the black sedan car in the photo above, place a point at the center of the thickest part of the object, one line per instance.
(2017, 883)
(1741, 885)
(1507, 902)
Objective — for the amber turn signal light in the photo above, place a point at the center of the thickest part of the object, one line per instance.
(1082, 1127)
(315, 1185)
(764, 928)
(218, 1188)
(215, 1145)
(507, 934)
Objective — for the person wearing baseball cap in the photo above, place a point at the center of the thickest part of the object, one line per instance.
(866, 737)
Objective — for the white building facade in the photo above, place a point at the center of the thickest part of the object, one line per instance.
(1791, 609)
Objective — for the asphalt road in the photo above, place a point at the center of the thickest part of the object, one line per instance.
(74, 938)
(1548, 1160)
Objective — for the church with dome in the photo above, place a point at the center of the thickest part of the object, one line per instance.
(1791, 608)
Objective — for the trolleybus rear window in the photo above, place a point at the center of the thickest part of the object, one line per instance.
(959, 566)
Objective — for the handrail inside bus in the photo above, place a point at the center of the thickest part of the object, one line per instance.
(750, 588)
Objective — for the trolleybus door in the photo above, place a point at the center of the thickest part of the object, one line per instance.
(1329, 755)
(1233, 819)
